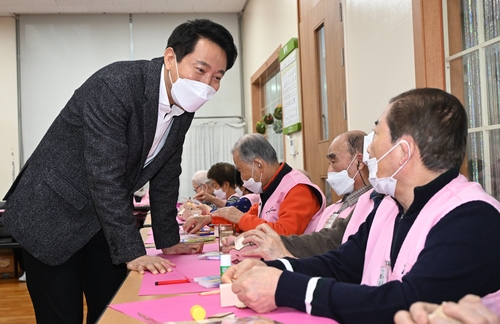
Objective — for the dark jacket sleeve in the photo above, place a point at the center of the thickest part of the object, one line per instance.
(307, 245)
(164, 191)
(452, 264)
(106, 151)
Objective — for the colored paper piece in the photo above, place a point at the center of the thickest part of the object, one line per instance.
(150, 239)
(148, 287)
(177, 308)
(188, 266)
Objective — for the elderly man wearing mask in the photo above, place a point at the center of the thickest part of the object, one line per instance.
(348, 177)
(289, 202)
(425, 242)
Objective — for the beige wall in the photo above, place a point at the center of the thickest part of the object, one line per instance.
(9, 143)
(265, 25)
(379, 57)
(378, 47)
(379, 63)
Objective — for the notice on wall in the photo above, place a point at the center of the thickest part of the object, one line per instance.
(290, 87)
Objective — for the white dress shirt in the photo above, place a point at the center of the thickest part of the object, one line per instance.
(166, 112)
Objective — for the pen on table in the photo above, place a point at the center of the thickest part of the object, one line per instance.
(205, 233)
(171, 282)
(211, 292)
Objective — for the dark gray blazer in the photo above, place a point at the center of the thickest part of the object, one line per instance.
(82, 176)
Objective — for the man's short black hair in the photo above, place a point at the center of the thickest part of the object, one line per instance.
(436, 120)
(185, 37)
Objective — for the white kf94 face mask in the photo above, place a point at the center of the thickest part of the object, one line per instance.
(367, 141)
(190, 95)
(385, 185)
(340, 182)
(219, 193)
(252, 185)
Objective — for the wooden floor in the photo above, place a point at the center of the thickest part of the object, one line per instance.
(15, 303)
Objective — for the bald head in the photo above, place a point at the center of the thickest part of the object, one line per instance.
(350, 142)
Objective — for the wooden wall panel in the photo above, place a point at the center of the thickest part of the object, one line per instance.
(428, 40)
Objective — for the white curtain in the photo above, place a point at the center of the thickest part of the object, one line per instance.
(205, 145)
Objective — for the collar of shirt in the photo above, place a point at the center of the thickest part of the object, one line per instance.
(353, 197)
(165, 109)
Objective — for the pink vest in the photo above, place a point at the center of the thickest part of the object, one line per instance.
(270, 210)
(329, 211)
(456, 193)
(254, 198)
(364, 207)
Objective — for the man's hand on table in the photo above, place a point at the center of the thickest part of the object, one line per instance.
(194, 223)
(269, 243)
(468, 310)
(232, 214)
(254, 283)
(184, 248)
(153, 264)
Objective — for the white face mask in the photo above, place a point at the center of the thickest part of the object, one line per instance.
(368, 140)
(188, 94)
(340, 182)
(219, 193)
(385, 185)
(250, 184)
(238, 191)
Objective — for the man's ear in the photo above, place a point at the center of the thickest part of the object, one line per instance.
(169, 58)
(407, 150)
(259, 163)
(359, 161)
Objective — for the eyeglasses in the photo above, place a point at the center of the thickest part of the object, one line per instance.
(201, 185)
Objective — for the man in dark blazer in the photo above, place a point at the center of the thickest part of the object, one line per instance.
(71, 205)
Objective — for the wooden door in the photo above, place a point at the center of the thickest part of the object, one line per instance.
(326, 17)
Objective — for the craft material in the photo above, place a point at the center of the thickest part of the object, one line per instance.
(171, 282)
(198, 313)
(225, 263)
(228, 298)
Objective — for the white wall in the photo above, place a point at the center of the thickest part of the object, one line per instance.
(380, 63)
(264, 26)
(150, 34)
(9, 144)
(379, 57)
(59, 52)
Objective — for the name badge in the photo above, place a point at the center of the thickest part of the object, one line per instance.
(330, 220)
(384, 273)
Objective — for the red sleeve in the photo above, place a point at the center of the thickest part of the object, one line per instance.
(296, 211)
(220, 220)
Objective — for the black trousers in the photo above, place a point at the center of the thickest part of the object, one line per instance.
(57, 291)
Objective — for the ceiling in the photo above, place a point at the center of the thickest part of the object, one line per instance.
(13, 7)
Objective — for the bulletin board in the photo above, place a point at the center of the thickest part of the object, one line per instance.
(290, 89)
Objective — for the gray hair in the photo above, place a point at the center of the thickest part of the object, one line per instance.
(355, 139)
(436, 120)
(252, 146)
(200, 177)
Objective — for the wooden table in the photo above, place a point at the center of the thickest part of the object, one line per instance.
(128, 292)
